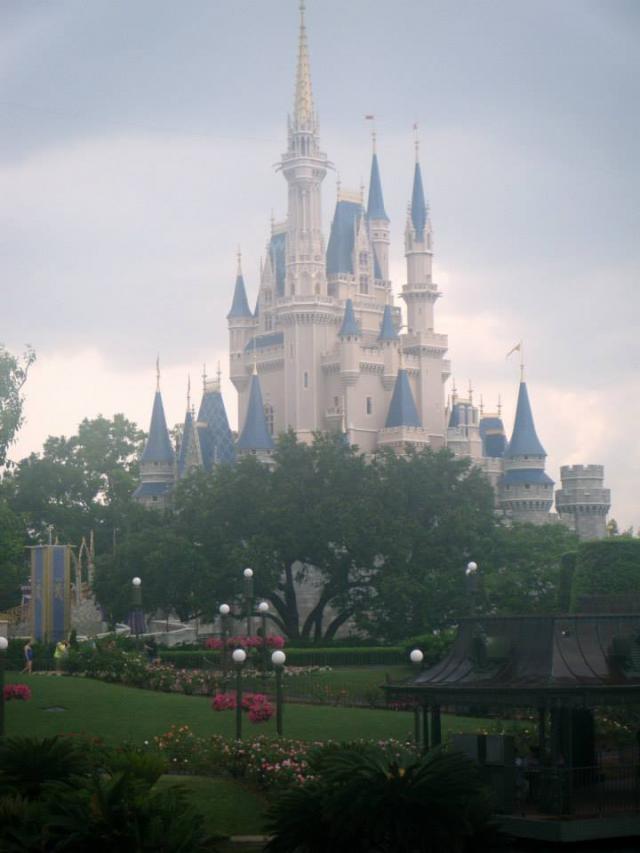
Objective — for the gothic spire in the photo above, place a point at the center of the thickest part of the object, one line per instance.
(303, 113)
(418, 204)
(375, 204)
(240, 304)
(158, 447)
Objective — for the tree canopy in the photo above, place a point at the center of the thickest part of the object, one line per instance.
(13, 375)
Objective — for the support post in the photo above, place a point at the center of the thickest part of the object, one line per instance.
(416, 725)
(238, 702)
(3, 660)
(425, 729)
(542, 732)
(279, 700)
(436, 726)
(265, 651)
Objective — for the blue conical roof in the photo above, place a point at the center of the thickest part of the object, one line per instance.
(524, 440)
(158, 447)
(240, 304)
(216, 440)
(387, 329)
(402, 409)
(189, 438)
(349, 326)
(375, 203)
(418, 204)
(255, 435)
(342, 237)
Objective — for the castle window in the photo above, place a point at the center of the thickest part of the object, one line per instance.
(267, 297)
(336, 402)
(364, 284)
(269, 417)
(363, 259)
(268, 322)
(305, 379)
(369, 405)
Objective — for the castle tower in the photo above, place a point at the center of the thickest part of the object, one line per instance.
(255, 436)
(494, 444)
(425, 349)
(241, 326)
(583, 502)
(157, 463)
(526, 491)
(463, 430)
(378, 221)
(304, 167)
(389, 342)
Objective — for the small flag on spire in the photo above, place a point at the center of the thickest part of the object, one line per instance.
(516, 348)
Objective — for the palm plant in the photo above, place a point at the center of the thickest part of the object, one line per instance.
(363, 800)
(26, 763)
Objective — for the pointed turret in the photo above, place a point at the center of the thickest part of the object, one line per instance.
(387, 328)
(418, 204)
(240, 304)
(378, 220)
(255, 433)
(190, 455)
(375, 204)
(526, 491)
(402, 409)
(349, 328)
(524, 439)
(158, 448)
(157, 463)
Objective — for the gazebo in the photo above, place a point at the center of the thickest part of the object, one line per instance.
(562, 667)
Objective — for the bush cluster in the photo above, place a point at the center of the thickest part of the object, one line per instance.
(313, 656)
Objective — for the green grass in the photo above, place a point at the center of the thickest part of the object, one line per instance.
(229, 808)
(118, 714)
(344, 685)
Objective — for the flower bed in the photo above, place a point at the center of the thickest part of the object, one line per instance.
(19, 692)
(267, 763)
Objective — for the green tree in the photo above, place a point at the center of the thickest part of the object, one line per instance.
(13, 570)
(13, 375)
(434, 513)
(609, 568)
(79, 483)
(170, 566)
(521, 568)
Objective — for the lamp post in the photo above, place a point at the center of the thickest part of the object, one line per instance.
(471, 578)
(416, 657)
(263, 609)
(136, 606)
(239, 656)
(278, 660)
(4, 645)
(224, 611)
(248, 598)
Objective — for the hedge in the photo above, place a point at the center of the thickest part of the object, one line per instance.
(609, 567)
(357, 656)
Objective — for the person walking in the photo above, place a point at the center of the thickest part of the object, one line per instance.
(28, 658)
(59, 655)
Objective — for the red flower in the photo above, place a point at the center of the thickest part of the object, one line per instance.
(17, 691)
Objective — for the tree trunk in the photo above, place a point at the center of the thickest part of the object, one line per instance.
(338, 622)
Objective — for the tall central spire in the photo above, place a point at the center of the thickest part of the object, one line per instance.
(303, 113)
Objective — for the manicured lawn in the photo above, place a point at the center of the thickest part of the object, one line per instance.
(119, 713)
(229, 807)
(344, 684)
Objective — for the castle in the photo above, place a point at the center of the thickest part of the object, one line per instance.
(326, 349)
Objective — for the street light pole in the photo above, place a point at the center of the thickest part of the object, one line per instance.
(278, 660)
(136, 607)
(224, 611)
(248, 597)
(4, 645)
(239, 657)
(416, 657)
(471, 576)
(263, 609)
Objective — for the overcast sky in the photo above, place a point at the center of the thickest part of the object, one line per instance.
(137, 143)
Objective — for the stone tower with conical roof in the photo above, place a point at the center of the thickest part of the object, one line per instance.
(525, 489)
(157, 463)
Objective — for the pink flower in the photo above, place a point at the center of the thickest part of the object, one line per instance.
(17, 691)
(224, 702)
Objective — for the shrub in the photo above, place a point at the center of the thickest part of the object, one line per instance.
(26, 763)
(609, 567)
(433, 646)
(362, 799)
(330, 656)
